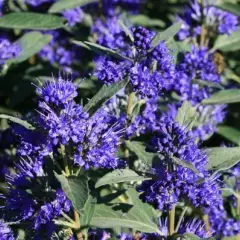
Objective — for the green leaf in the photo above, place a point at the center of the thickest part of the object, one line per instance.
(145, 21)
(62, 5)
(139, 149)
(207, 83)
(101, 49)
(228, 43)
(114, 217)
(186, 115)
(230, 238)
(185, 164)
(30, 44)
(29, 20)
(88, 211)
(76, 189)
(151, 212)
(81, 44)
(119, 175)
(18, 121)
(222, 158)
(229, 7)
(230, 133)
(177, 49)
(229, 74)
(224, 96)
(103, 95)
(126, 30)
(190, 236)
(166, 34)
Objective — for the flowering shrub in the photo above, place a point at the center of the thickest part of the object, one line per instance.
(119, 120)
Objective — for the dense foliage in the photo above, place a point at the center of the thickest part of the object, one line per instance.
(119, 119)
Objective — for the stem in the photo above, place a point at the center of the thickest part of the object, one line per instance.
(180, 219)
(202, 37)
(129, 113)
(203, 30)
(67, 217)
(65, 224)
(238, 202)
(77, 219)
(206, 222)
(80, 236)
(65, 160)
(130, 103)
(171, 221)
(238, 209)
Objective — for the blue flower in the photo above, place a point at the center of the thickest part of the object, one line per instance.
(215, 20)
(108, 71)
(58, 91)
(207, 118)
(108, 33)
(142, 39)
(8, 50)
(174, 182)
(59, 51)
(73, 16)
(222, 225)
(5, 232)
(197, 65)
(102, 139)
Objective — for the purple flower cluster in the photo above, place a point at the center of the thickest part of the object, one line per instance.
(95, 139)
(5, 232)
(7, 49)
(222, 225)
(59, 52)
(73, 16)
(175, 182)
(142, 39)
(108, 71)
(207, 118)
(108, 33)
(110, 8)
(197, 65)
(215, 20)
(194, 226)
(26, 203)
(146, 80)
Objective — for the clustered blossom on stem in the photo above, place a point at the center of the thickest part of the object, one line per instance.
(94, 139)
(222, 225)
(73, 16)
(5, 232)
(174, 182)
(110, 8)
(145, 80)
(197, 65)
(7, 49)
(108, 32)
(216, 21)
(61, 123)
(32, 198)
(59, 51)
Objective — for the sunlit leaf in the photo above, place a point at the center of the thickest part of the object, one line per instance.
(30, 20)
(119, 175)
(62, 5)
